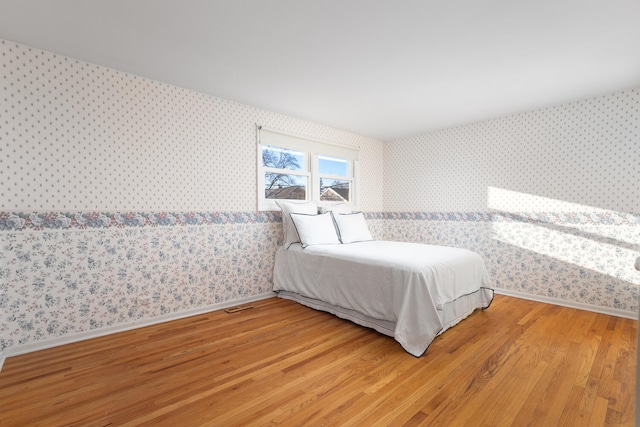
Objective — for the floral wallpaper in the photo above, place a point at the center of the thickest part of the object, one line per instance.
(63, 273)
(584, 258)
(66, 273)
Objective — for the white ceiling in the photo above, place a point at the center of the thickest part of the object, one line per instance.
(381, 68)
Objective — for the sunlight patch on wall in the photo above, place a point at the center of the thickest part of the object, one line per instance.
(592, 238)
(508, 200)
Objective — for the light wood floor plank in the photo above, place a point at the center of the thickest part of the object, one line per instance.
(280, 363)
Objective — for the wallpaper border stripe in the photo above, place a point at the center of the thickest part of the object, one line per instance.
(18, 221)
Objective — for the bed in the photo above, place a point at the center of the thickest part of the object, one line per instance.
(410, 291)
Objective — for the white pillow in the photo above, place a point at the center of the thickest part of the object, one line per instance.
(316, 229)
(352, 228)
(288, 229)
(341, 208)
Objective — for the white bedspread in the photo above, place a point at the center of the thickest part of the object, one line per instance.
(404, 283)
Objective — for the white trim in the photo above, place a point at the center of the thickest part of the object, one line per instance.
(312, 149)
(571, 304)
(314, 182)
(355, 199)
(95, 333)
(81, 336)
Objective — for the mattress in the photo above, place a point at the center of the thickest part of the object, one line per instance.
(410, 291)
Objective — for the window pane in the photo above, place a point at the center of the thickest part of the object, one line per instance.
(334, 190)
(333, 166)
(281, 186)
(282, 158)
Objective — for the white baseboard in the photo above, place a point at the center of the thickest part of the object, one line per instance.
(2, 358)
(95, 333)
(571, 304)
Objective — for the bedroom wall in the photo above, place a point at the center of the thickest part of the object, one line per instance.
(550, 198)
(124, 200)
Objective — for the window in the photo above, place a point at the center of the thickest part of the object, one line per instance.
(335, 181)
(296, 168)
(285, 173)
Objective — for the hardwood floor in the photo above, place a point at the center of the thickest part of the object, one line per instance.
(518, 363)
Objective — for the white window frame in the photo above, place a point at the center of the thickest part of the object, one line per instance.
(312, 149)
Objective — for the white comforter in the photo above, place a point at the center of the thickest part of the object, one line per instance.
(404, 283)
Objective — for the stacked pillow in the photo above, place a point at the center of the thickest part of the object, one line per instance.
(288, 229)
(338, 208)
(334, 225)
(352, 227)
(315, 229)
